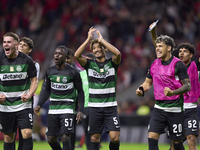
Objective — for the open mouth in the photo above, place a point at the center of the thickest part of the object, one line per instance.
(7, 50)
(181, 57)
(56, 60)
(158, 53)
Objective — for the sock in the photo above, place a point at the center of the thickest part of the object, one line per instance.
(67, 145)
(153, 144)
(179, 146)
(55, 146)
(9, 146)
(114, 146)
(94, 146)
(28, 144)
(20, 146)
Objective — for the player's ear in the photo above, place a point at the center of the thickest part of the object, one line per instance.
(191, 55)
(169, 48)
(16, 45)
(30, 50)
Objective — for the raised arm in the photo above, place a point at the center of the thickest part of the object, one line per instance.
(153, 34)
(78, 54)
(116, 58)
(144, 87)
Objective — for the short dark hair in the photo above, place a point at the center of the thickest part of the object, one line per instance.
(96, 41)
(12, 34)
(68, 51)
(175, 52)
(71, 52)
(166, 40)
(187, 46)
(27, 41)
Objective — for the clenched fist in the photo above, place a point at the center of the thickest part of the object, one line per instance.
(168, 91)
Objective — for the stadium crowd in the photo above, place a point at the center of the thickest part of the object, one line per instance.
(124, 23)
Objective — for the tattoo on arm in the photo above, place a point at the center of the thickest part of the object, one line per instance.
(185, 88)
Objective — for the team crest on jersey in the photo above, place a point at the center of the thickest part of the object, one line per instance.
(58, 79)
(106, 67)
(19, 68)
(11, 68)
(64, 80)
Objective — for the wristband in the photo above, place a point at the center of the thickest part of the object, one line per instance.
(142, 89)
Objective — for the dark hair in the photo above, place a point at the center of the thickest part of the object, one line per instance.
(67, 50)
(166, 40)
(96, 41)
(187, 46)
(15, 36)
(175, 52)
(71, 52)
(27, 41)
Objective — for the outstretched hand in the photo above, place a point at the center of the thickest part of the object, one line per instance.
(152, 27)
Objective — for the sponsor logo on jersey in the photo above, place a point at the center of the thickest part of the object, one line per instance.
(11, 68)
(12, 76)
(101, 75)
(59, 86)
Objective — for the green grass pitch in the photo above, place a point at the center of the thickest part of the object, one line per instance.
(105, 146)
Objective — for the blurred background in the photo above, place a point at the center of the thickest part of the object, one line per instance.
(124, 23)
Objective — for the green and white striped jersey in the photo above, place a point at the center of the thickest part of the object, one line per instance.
(62, 85)
(15, 77)
(102, 78)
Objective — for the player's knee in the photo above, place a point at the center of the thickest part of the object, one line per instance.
(66, 137)
(26, 133)
(95, 138)
(153, 135)
(115, 139)
(8, 138)
(191, 138)
(51, 139)
(114, 136)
